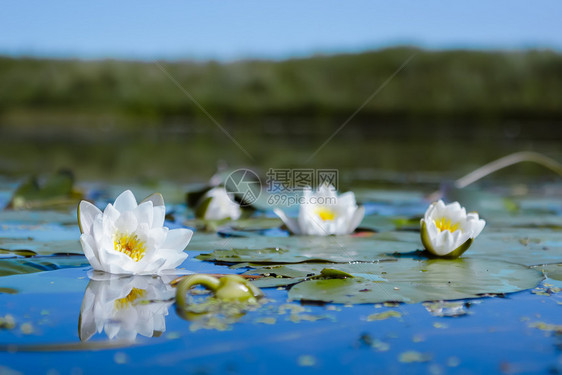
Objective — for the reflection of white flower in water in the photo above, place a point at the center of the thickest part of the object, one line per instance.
(127, 238)
(324, 213)
(447, 230)
(217, 205)
(125, 306)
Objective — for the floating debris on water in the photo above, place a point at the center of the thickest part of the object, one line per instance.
(418, 338)
(266, 320)
(173, 335)
(413, 356)
(556, 328)
(7, 322)
(121, 358)
(453, 361)
(306, 360)
(449, 309)
(26, 328)
(384, 315)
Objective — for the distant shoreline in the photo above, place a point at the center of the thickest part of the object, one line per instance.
(478, 85)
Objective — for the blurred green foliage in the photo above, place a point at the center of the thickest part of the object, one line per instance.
(448, 111)
(495, 85)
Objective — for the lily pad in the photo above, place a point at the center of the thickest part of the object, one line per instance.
(412, 281)
(28, 247)
(37, 264)
(528, 247)
(296, 249)
(56, 191)
(38, 217)
(552, 271)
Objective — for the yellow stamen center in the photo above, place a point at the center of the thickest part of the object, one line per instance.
(325, 213)
(131, 245)
(445, 224)
(125, 302)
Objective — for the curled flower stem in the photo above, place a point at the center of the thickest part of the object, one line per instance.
(496, 165)
(218, 275)
(227, 288)
(506, 161)
(207, 281)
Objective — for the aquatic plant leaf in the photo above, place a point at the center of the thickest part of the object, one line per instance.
(552, 271)
(4, 253)
(56, 191)
(28, 247)
(529, 246)
(296, 249)
(38, 217)
(411, 281)
(37, 264)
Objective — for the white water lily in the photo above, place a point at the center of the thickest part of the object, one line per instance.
(123, 307)
(447, 230)
(217, 205)
(324, 213)
(130, 238)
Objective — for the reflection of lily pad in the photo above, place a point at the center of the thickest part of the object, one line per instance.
(32, 265)
(413, 281)
(296, 249)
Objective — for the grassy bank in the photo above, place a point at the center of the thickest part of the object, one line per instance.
(451, 84)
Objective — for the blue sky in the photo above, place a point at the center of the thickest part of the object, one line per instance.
(230, 30)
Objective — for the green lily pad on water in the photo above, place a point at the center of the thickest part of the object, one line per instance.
(19, 266)
(552, 271)
(528, 246)
(413, 281)
(296, 249)
(56, 191)
(29, 247)
(38, 217)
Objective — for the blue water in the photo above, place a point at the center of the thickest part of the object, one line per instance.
(495, 337)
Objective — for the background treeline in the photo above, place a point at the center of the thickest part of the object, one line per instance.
(451, 84)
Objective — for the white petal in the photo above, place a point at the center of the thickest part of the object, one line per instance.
(127, 223)
(454, 211)
(310, 224)
(291, 223)
(430, 212)
(87, 213)
(159, 209)
(172, 258)
(177, 239)
(478, 226)
(153, 268)
(356, 219)
(90, 251)
(144, 213)
(110, 213)
(126, 201)
(156, 237)
(432, 230)
(346, 200)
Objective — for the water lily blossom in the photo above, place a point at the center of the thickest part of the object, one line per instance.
(447, 230)
(130, 238)
(124, 306)
(324, 213)
(217, 205)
